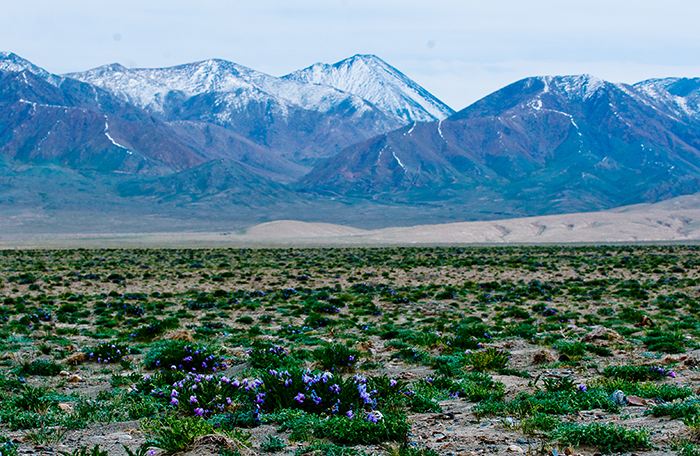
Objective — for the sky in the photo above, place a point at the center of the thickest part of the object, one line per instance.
(460, 50)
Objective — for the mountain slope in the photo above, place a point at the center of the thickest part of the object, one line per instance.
(45, 118)
(541, 145)
(373, 79)
(74, 125)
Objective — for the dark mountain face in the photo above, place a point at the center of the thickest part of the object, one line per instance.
(76, 125)
(540, 145)
(51, 120)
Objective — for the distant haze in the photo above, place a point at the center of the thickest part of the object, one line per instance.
(459, 50)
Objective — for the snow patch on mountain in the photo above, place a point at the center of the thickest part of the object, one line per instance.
(109, 137)
(398, 160)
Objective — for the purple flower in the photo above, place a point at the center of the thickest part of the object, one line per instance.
(374, 416)
(671, 374)
(582, 388)
(350, 414)
(334, 388)
(392, 383)
(174, 401)
(193, 400)
(299, 398)
(199, 411)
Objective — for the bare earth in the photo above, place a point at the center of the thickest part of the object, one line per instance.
(676, 220)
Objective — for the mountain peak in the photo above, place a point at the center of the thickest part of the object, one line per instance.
(9, 61)
(574, 86)
(365, 58)
(373, 79)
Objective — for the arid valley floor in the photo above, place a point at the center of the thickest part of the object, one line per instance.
(345, 351)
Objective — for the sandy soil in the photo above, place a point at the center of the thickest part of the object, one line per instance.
(676, 220)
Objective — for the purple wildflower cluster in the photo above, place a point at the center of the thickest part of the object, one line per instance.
(663, 372)
(107, 353)
(206, 395)
(321, 392)
(194, 361)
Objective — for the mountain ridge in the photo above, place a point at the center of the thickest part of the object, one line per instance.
(216, 137)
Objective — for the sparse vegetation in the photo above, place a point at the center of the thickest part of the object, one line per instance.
(348, 351)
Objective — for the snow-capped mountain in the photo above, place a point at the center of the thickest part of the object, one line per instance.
(302, 121)
(540, 145)
(150, 87)
(373, 79)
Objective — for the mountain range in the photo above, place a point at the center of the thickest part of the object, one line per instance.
(354, 142)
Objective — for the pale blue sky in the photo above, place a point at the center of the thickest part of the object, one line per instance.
(458, 49)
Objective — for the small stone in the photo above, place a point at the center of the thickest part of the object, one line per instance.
(636, 401)
(515, 449)
(543, 356)
(64, 406)
(77, 358)
(181, 334)
(618, 397)
(75, 378)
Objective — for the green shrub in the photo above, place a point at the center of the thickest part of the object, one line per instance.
(688, 410)
(637, 373)
(174, 433)
(8, 447)
(336, 357)
(488, 359)
(608, 438)
(665, 341)
(272, 444)
(361, 431)
(182, 356)
(40, 367)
